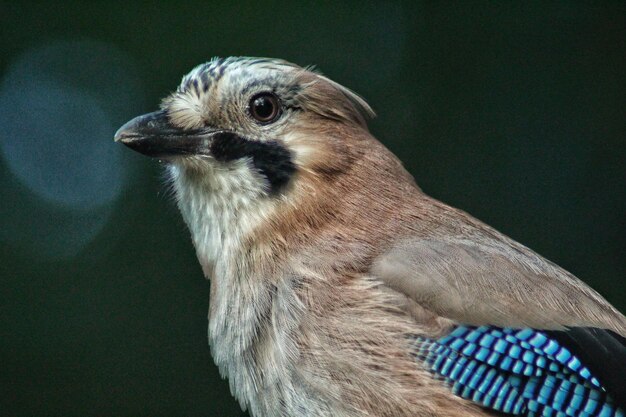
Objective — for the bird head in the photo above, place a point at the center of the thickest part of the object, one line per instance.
(268, 117)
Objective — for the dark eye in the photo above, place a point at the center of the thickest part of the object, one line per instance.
(264, 107)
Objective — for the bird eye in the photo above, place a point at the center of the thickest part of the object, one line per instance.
(264, 107)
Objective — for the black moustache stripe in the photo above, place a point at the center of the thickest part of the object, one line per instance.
(271, 159)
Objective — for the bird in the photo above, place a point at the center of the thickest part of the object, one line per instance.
(339, 288)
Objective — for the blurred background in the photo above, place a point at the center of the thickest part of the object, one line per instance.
(512, 111)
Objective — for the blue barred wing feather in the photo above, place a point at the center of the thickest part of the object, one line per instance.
(521, 372)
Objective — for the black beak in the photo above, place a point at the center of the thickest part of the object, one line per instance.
(153, 135)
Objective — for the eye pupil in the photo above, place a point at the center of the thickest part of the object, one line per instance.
(264, 107)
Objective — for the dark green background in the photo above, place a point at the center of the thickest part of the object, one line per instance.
(513, 111)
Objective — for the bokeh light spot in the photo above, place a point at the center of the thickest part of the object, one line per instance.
(60, 105)
(54, 141)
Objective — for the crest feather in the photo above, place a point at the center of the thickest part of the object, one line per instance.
(334, 101)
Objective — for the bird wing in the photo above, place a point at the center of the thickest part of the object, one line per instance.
(490, 281)
(519, 372)
(495, 281)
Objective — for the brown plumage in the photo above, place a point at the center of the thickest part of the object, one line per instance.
(326, 260)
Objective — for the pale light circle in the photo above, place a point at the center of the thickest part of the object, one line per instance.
(60, 105)
(55, 141)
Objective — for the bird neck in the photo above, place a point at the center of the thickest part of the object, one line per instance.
(220, 206)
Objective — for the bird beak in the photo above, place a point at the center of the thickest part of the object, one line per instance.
(153, 135)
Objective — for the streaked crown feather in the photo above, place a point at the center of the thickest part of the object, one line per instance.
(308, 88)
